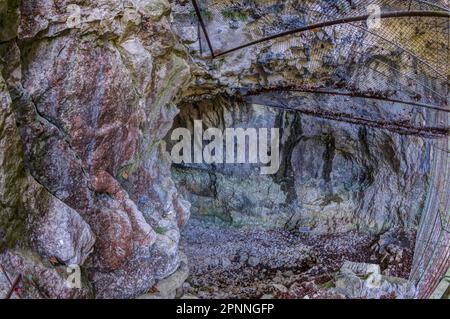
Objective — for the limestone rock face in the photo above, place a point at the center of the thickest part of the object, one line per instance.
(167, 287)
(89, 91)
(92, 88)
(54, 229)
(40, 279)
(334, 176)
(360, 269)
(365, 281)
(12, 173)
(394, 248)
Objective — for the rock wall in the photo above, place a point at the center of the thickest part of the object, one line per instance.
(91, 86)
(334, 177)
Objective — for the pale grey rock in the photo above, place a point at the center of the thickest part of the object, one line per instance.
(360, 269)
(167, 288)
(226, 262)
(330, 175)
(154, 9)
(280, 288)
(189, 35)
(173, 282)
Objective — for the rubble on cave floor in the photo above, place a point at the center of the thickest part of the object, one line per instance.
(228, 262)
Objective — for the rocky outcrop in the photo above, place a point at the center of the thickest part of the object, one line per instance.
(334, 176)
(91, 87)
(167, 288)
(12, 174)
(365, 281)
(32, 219)
(394, 251)
(354, 280)
(56, 230)
(89, 91)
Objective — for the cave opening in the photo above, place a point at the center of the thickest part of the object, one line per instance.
(363, 118)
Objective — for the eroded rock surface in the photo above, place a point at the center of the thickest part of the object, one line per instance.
(91, 86)
(334, 176)
(230, 262)
(365, 281)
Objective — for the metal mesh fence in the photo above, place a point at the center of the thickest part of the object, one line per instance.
(419, 64)
(414, 35)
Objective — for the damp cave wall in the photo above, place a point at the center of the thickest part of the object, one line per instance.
(84, 110)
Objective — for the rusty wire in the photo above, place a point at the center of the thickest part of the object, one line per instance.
(307, 13)
(352, 92)
(346, 20)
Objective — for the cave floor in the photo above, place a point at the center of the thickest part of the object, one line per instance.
(227, 262)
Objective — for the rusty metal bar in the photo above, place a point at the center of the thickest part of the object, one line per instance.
(202, 24)
(386, 15)
(350, 94)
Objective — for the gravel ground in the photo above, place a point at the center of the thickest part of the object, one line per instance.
(228, 262)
